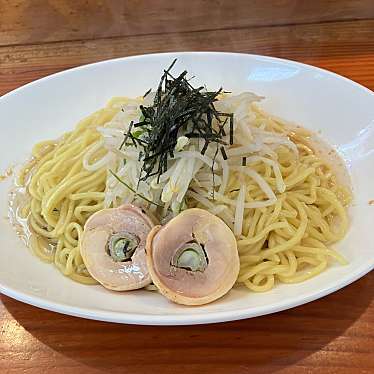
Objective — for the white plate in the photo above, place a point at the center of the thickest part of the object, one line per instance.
(341, 109)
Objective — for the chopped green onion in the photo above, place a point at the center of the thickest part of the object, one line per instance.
(137, 133)
(132, 190)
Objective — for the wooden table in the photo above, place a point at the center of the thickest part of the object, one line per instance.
(332, 335)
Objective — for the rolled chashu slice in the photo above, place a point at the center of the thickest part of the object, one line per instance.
(113, 247)
(193, 259)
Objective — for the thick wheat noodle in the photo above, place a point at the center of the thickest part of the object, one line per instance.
(293, 210)
(63, 194)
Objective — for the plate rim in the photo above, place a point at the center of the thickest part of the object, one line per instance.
(185, 318)
(179, 319)
(148, 55)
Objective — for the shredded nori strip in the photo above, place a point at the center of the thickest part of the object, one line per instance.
(127, 135)
(178, 109)
(147, 93)
(224, 155)
(231, 129)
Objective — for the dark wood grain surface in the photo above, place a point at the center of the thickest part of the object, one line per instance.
(331, 335)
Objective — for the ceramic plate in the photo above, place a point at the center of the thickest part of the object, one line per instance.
(341, 110)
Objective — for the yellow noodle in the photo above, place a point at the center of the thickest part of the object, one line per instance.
(286, 242)
(63, 195)
(294, 234)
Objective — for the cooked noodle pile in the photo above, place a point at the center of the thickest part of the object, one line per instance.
(282, 201)
(62, 194)
(286, 241)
